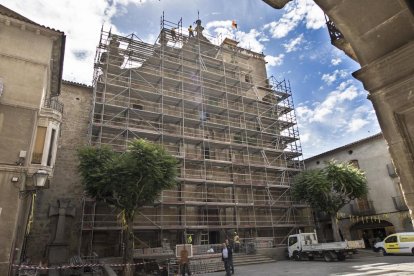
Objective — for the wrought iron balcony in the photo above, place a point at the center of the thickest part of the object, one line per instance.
(334, 33)
(338, 40)
(53, 103)
(399, 203)
(362, 208)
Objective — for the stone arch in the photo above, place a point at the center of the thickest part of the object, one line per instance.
(371, 232)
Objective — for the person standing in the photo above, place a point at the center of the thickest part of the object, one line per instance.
(190, 31)
(184, 262)
(225, 258)
(230, 251)
(236, 240)
(173, 34)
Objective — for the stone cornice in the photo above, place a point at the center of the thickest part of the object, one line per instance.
(388, 69)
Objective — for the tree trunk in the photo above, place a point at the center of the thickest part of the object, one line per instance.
(129, 247)
(335, 228)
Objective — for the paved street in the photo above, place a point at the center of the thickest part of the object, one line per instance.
(359, 265)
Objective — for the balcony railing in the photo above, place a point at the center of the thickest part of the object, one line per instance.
(362, 208)
(334, 33)
(399, 203)
(53, 103)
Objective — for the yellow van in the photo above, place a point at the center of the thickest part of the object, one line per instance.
(396, 243)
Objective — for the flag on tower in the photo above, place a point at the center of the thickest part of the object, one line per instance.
(234, 24)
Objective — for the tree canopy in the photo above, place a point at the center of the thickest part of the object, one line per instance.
(330, 188)
(130, 179)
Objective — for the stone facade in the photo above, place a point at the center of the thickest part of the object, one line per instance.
(384, 199)
(30, 116)
(66, 182)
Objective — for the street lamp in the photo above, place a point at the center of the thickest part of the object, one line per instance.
(39, 181)
(40, 178)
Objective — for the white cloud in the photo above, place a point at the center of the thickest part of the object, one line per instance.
(296, 12)
(336, 61)
(331, 78)
(315, 18)
(222, 29)
(333, 103)
(215, 24)
(250, 40)
(293, 44)
(274, 60)
(356, 124)
(343, 116)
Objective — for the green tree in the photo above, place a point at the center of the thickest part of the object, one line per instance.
(127, 180)
(330, 188)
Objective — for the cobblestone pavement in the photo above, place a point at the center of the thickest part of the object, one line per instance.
(358, 265)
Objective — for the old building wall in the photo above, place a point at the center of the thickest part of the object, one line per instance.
(66, 182)
(24, 49)
(372, 156)
(26, 57)
(15, 135)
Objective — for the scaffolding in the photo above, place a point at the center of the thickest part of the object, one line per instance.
(211, 106)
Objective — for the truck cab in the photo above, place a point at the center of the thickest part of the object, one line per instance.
(296, 242)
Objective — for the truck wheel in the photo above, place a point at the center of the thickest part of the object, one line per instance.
(297, 256)
(382, 252)
(341, 256)
(327, 256)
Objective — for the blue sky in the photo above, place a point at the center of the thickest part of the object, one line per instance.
(331, 106)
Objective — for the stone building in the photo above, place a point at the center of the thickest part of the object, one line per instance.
(232, 128)
(31, 61)
(379, 35)
(383, 211)
(214, 108)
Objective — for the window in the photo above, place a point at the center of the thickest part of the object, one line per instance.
(247, 78)
(354, 163)
(45, 145)
(137, 106)
(207, 153)
(237, 138)
(391, 239)
(39, 145)
(391, 170)
(293, 240)
(51, 147)
(363, 203)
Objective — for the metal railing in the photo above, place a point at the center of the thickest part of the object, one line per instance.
(53, 103)
(334, 33)
(399, 203)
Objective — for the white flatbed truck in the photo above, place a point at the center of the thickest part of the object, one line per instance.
(306, 246)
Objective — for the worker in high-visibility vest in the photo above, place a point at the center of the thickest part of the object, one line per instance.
(190, 31)
(189, 239)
